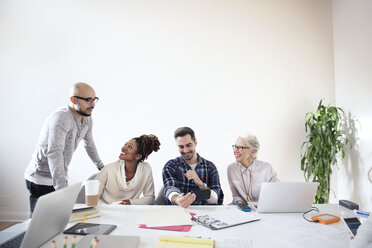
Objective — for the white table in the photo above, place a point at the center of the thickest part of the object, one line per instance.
(273, 230)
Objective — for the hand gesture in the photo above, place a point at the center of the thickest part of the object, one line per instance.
(191, 175)
(184, 200)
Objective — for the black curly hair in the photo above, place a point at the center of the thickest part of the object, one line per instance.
(146, 144)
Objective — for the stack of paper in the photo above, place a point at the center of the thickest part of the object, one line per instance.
(183, 242)
(171, 219)
(84, 213)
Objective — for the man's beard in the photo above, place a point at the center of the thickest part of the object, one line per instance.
(185, 157)
(77, 108)
(82, 113)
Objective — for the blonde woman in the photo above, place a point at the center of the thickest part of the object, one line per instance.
(247, 173)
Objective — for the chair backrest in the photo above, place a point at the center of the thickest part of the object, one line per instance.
(81, 196)
(159, 200)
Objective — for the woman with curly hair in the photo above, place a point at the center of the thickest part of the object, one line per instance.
(125, 180)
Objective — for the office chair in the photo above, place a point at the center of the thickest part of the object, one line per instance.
(159, 200)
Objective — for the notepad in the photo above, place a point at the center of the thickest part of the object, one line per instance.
(166, 241)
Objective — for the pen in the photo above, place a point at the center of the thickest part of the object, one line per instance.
(85, 217)
(362, 212)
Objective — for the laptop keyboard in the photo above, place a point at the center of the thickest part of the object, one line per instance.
(15, 242)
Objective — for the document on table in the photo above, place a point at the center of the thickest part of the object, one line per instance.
(165, 217)
(299, 231)
(237, 243)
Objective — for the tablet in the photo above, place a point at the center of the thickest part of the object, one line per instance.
(89, 228)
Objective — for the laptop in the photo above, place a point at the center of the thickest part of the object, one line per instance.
(110, 241)
(49, 218)
(286, 197)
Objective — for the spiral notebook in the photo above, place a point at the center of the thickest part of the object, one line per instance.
(220, 219)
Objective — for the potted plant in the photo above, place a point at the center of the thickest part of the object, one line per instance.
(324, 143)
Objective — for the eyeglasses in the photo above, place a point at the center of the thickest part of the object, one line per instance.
(89, 99)
(235, 147)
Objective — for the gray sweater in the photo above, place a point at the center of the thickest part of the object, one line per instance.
(58, 140)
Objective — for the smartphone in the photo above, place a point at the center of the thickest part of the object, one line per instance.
(353, 224)
(244, 207)
(202, 195)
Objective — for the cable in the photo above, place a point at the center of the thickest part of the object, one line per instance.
(308, 211)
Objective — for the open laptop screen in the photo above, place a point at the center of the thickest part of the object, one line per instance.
(286, 197)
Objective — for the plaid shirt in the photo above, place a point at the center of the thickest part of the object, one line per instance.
(175, 181)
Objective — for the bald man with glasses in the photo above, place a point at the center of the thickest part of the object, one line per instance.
(59, 138)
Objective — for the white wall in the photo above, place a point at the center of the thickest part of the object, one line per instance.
(221, 67)
(352, 22)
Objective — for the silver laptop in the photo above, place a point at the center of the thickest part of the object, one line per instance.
(286, 197)
(49, 218)
(110, 241)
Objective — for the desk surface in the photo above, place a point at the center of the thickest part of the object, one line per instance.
(273, 230)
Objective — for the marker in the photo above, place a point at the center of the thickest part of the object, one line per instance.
(361, 212)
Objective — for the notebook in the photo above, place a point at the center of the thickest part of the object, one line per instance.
(286, 197)
(50, 216)
(183, 242)
(222, 218)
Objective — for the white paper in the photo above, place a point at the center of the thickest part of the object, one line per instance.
(165, 217)
(298, 231)
(311, 240)
(237, 243)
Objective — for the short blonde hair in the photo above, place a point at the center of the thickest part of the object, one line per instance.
(252, 142)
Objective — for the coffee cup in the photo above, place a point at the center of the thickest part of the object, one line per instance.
(91, 192)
